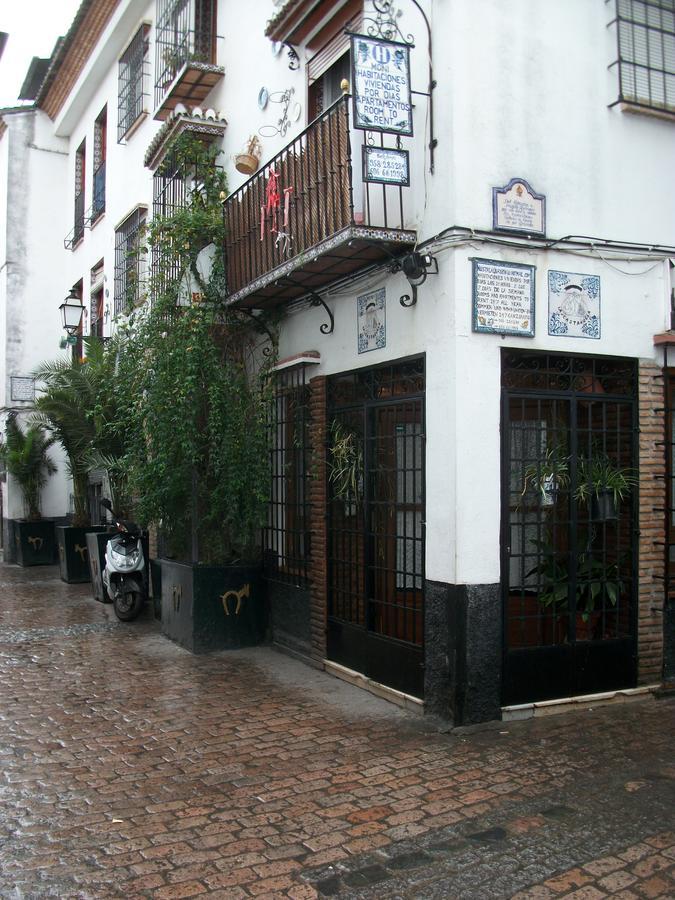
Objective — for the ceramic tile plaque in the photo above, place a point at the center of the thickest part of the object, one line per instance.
(22, 388)
(503, 297)
(384, 166)
(573, 305)
(518, 207)
(371, 321)
(381, 85)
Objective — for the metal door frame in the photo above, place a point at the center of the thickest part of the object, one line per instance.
(388, 660)
(577, 656)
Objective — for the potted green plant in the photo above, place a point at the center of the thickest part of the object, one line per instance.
(604, 484)
(345, 465)
(65, 407)
(195, 423)
(597, 585)
(24, 454)
(547, 476)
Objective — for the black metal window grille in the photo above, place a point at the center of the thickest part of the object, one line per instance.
(169, 193)
(185, 32)
(286, 537)
(129, 262)
(78, 217)
(569, 567)
(131, 82)
(646, 52)
(98, 191)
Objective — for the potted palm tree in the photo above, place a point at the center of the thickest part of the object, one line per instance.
(24, 454)
(65, 407)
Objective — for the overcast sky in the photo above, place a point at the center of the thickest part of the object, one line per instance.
(33, 27)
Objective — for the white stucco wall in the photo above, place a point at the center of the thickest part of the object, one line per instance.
(34, 175)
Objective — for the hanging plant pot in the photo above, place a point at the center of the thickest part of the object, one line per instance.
(549, 490)
(246, 163)
(603, 506)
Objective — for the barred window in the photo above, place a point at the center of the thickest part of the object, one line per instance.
(132, 82)
(286, 538)
(646, 47)
(129, 261)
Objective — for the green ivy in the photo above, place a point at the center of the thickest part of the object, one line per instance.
(193, 385)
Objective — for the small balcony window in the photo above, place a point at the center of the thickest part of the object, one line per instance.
(129, 261)
(77, 233)
(646, 53)
(132, 83)
(98, 187)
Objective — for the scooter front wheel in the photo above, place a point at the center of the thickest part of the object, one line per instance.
(128, 605)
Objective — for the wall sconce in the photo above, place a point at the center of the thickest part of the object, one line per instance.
(415, 266)
(71, 312)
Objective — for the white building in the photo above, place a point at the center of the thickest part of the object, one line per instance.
(531, 255)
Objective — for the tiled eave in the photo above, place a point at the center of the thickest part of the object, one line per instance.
(210, 129)
(350, 250)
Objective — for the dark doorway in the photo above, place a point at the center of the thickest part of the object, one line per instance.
(376, 523)
(569, 489)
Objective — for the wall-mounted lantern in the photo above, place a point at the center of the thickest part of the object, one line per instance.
(71, 312)
(415, 266)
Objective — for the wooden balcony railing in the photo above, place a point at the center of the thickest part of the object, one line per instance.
(307, 200)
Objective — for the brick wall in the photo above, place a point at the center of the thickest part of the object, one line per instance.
(652, 522)
(318, 571)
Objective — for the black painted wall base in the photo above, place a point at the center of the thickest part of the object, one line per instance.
(463, 652)
(290, 616)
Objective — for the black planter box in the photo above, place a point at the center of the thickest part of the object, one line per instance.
(73, 552)
(156, 583)
(96, 542)
(213, 607)
(34, 542)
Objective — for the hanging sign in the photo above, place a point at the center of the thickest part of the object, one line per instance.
(385, 166)
(517, 207)
(381, 85)
(503, 297)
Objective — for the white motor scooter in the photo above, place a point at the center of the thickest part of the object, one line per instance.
(124, 576)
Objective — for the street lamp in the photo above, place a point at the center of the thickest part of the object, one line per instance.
(71, 312)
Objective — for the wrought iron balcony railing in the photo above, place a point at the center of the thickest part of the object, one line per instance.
(307, 218)
(77, 232)
(98, 205)
(185, 60)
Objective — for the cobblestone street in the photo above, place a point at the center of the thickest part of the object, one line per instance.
(131, 768)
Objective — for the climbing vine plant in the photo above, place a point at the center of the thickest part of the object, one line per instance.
(194, 382)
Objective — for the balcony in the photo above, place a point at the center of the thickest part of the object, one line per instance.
(98, 206)
(185, 54)
(77, 232)
(307, 219)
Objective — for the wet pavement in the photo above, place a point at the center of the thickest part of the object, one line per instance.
(131, 768)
